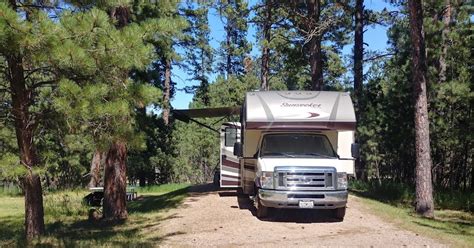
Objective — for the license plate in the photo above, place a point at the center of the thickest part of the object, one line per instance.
(306, 204)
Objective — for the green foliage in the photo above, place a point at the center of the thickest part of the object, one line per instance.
(386, 191)
(401, 194)
(100, 100)
(235, 48)
(386, 125)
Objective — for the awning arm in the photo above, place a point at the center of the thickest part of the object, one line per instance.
(186, 119)
(187, 115)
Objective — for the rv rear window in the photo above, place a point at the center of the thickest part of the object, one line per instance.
(230, 136)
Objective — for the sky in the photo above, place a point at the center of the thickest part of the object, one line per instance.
(375, 37)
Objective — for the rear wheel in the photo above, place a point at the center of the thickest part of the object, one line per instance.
(339, 213)
(262, 211)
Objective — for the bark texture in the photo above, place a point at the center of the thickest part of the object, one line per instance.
(445, 41)
(358, 69)
(228, 37)
(314, 46)
(267, 24)
(34, 212)
(96, 164)
(115, 182)
(424, 186)
(167, 91)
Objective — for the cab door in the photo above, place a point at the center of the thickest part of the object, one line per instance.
(249, 170)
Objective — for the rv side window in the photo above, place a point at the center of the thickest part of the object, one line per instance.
(230, 136)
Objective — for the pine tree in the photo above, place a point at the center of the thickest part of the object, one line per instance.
(424, 185)
(27, 37)
(99, 98)
(198, 51)
(316, 22)
(266, 28)
(235, 49)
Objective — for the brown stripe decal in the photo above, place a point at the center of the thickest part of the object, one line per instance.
(229, 183)
(229, 176)
(229, 163)
(301, 125)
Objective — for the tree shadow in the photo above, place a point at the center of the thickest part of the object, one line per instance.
(455, 228)
(152, 203)
(11, 230)
(203, 189)
(288, 215)
(302, 216)
(78, 231)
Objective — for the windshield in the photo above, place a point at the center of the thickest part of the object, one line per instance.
(296, 145)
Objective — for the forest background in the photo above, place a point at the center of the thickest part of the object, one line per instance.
(99, 79)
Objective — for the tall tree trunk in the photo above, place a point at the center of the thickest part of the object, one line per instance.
(267, 25)
(167, 92)
(97, 161)
(21, 98)
(115, 183)
(115, 175)
(445, 41)
(424, 185)
(228, 66)
(34, 212)
(315, 53)
(358, 71)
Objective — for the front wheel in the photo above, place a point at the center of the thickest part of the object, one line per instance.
(262, 211)
(339, 213)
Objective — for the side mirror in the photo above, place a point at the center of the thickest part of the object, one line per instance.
(355, 150)
(238, 149)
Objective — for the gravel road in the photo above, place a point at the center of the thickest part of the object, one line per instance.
(210, 217)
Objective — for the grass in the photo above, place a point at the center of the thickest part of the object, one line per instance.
(393, 201)
(450, 226)
(67, 224)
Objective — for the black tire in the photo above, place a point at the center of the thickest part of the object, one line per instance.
(262, 211)
(339, 213)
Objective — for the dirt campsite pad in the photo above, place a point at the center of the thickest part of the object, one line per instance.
(210, 217)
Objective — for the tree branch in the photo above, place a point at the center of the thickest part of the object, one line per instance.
(378, 56)
(43, 83)
(38, 6)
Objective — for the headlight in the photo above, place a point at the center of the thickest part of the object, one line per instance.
(266, 180)
(341, 180)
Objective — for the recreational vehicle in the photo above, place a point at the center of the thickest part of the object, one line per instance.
(296, 150)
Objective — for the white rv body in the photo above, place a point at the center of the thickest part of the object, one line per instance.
(300, 125)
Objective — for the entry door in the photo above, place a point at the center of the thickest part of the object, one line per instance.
(230, 167)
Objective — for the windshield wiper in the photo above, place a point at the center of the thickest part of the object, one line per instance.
(318, 155)
(279, 154)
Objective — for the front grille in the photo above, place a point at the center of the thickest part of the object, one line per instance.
(304, 178)
(306, 196)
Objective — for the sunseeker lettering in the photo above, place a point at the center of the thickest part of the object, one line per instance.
(304, 105)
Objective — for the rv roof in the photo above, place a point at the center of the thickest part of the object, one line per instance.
(301, 109)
